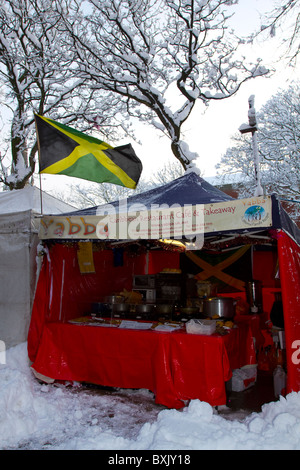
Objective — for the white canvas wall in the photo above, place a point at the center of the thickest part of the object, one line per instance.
(19, 223)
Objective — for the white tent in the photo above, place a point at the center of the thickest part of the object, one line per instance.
(19, 225)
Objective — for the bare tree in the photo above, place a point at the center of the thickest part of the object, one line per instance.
(278, 139)
(160, 57)
(37, 75)
(169, 172)
(82, 196)
(284, 19)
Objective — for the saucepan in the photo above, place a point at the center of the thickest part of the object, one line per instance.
(114, 299)
(223, 307)
(144, 309)
(164, 309)
(120, 308)
(189, 311)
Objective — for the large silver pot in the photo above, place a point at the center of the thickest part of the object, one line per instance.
(223, 307)
(144, 309)
(120, 308)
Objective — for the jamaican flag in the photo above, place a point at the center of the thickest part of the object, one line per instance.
(229, 270)
(66, 151)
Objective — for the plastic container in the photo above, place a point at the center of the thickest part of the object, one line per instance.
(243, 378)
(200, 327)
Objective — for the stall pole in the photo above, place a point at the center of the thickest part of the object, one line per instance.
(252, 127)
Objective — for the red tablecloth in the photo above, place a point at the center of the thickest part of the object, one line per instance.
(175, 366)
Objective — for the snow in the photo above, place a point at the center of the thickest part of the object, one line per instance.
(29, 198)
(36, 416)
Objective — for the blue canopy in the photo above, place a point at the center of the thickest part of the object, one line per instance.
(188, 189)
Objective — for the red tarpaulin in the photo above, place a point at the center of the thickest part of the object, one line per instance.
(175, 366)
(69, 352)
(289, 264)
(63, 292)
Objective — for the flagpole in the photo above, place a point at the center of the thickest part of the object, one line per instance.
(39, 154)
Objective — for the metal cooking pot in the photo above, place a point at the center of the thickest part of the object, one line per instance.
(144, 308)
(114, 299)
(120, 308)
(189, 311)
(101, 307)
(223, 307)
(164, 309)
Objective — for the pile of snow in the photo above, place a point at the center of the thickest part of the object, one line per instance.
(39, 416)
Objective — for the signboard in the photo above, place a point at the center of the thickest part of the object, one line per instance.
(158, 222)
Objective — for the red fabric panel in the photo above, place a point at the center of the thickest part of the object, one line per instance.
(253, 321)
(159, 260)
(176, 366)
(40, 310)
(200, 366)
(64, 293)
(264, 267)
(240, 345)
(289, 266)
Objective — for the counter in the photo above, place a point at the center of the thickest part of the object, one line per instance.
(175, 366)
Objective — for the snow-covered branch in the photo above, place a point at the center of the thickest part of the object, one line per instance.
(38, 74)
(278, 140)
(141, 50)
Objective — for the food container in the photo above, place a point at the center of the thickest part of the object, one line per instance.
(223, 307)
(242, 378)
(114, 299)
(205, 289)
(200, 327)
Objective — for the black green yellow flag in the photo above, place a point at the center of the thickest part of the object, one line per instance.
(66, 151)
(229, 269)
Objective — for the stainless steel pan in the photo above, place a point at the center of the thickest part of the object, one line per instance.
(223, 307)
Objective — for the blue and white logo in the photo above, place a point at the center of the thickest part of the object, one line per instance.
(254, 215)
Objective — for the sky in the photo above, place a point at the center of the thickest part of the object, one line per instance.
(208, 130)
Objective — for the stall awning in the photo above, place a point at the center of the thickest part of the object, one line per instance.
(143, 223)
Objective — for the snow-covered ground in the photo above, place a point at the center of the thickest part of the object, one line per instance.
(38, 416)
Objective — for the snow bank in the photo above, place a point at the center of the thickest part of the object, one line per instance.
(38, 416)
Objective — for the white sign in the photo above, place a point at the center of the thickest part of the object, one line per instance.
(139, 222)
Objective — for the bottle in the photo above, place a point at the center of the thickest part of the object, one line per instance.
(279, 381)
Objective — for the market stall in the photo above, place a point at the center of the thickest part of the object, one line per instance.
(150, 312)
